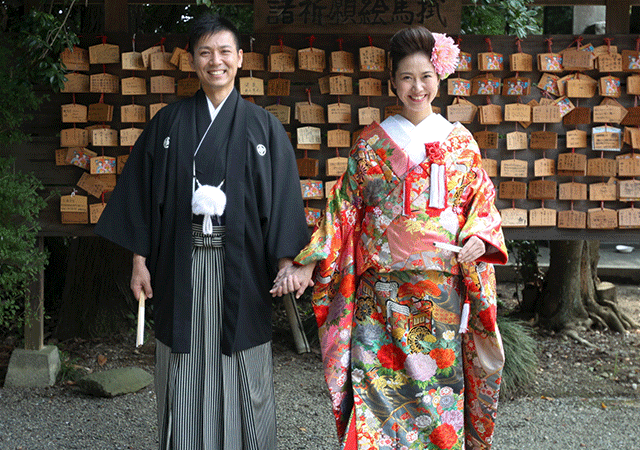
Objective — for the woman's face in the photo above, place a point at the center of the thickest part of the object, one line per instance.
(416, 84)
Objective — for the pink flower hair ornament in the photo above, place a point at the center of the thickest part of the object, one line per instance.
(444, 55)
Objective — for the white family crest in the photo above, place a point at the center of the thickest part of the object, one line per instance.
(261, 149)
(166, 142)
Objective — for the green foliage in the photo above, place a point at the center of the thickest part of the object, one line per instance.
(497, 17)
(521, 361)
(20, 259)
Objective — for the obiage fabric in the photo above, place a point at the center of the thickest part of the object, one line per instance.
(388, 302)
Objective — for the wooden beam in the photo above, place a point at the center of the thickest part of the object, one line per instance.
(618, 16)
(116, 16)
(34, 311)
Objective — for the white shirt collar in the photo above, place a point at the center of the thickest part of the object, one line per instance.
(213, 111)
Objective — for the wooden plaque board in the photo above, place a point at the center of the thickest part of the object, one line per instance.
(341, 62)
(368, 115)
(461, 111)
(339, 113)
(251, 86)
(132, 61)
(486, 139)
(628, 165)
(572, 162)
(252, 61)
(576, 139)
(281, 62)
(160, 61)
(134, 86)
(514, 218)
(312, 189)
(104, 54)
(369, 87)
(517, 140)
(340, 85)
(129, 136)
(328, 187)
(307, 167)
(308, 136)
(572, 219)
(278, 87)
(80, 157)
(546, 114)
(602, 219)
(543, 217)
(309, 113)
(490, 114)
(572, 191)
(100, 112)
(104, 83)
(632, 118)
(542, 190)
(629, 190)
(372, 59)
(490, 61)
(74, 113)
(187, 87)
(512, 190)
(513, 168)
(95, 211)
(104, 137)
(544, 167)
(282, 113)
(490, 166)
(162, 84)
(517, 112)
(603, 192)
(76, 83)
(74, 137)
(336, 166)
(521, 62)
(338, 139)
(312, 59)
(96, 185)
(578, 116)
(543, 140)
(629, 218)
(601, 167)
(154, 108)
(75, 59)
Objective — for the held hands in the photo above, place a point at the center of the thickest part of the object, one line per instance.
(292, 278)
(140, 278)
(473, 249)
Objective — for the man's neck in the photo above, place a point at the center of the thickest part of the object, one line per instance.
(218, 95)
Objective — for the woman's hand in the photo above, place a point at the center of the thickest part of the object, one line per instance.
(473, 249)
(292, 278)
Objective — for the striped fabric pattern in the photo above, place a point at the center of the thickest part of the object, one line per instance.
(207, 400)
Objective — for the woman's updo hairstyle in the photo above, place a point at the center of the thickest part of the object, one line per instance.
(407, 42)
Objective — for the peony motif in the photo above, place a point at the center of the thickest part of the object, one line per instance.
(444, 436)
(444, 55)
(445, 357)
(420, 367)
(391, 357)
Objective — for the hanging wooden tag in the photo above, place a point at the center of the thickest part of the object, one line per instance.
(572, 219)
(572, 164)
(633, 85)
(602, 219)
(514, 218)
(629, 218)
(532, 103)
(312, 59)
(308, 136)
(632, 118)
(80, 157)
(311, 189)
(609, 87)
(104, 137)
(490, 114)
(74, 137)
(603, 192)
(578, 116)
(132, 61)
(102, 165)
(251, 86)
(485, 84)
(601, 167)
(630, 61)
(338, 139)
(121, 160)
(76, 83)
(517, 112)
(340, 85)
(487, 140)
(95, 211)
(562, 83)
(178, 52)
(521, 62)
(61, 157)
(328, 187)
(154, 108)
(542, 217)
(572, 191)
(342, 62)
(104, 54)
(162, 84)
(516, 86)
(73, 209)
(161, 61)
(606, 139)
(462, 111)
(546, 114)
(564, 105)
(608, 114)
(543, 140)
(281, 62)
(490, 166)
(252, 61)
(458, 87)
(577, 60)
(310, 112)
(307, 167)
(512, 190)
(464, 62)
(324, 83)
(187, 87)
(609, 62)
(631, 136)
(96, 185)
(129, 136)
(576, 139)
(369, 87)
(581, 88)
(542, 190)
(628, 165)
(100, 112)
(336, 166)
(549, 82)
(278, 87)
(513, 168)
(372, 59)
(490, 61)
(544, 167)
(74, 113)
(367, 116)
(549, 62)
(104, 83)
(629, 190)
(313, 216)
(75, 59)
(392, 110)
(282, 113)
(146, 54)
(339, 113)
(185, 64)
(134, 86)
(517, 140)
(97, 126)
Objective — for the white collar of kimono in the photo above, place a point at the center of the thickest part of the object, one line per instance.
(411, 138)
(212, 109)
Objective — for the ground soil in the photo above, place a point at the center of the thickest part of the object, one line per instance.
(567, 368)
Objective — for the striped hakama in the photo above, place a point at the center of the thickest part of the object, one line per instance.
(208, 400)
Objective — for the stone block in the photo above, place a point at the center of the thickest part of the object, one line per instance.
(33, 368)
(110, 383)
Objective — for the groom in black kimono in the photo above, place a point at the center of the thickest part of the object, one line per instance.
(243, 148)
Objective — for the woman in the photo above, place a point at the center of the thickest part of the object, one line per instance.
(391, 304)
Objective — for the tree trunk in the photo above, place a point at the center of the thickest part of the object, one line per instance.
(96, 300)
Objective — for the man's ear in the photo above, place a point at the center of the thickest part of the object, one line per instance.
(193, 66)
(240, 59)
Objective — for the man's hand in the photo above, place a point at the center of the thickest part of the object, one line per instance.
(292, 278)
(140, 278)
(473, 249)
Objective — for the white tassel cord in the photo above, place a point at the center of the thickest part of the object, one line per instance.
(464, 318)
(208, 201)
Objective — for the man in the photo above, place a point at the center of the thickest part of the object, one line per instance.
(210, 284)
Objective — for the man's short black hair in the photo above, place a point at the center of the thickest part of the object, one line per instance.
(208, 24)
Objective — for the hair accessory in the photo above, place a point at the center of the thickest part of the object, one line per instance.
(444, 55)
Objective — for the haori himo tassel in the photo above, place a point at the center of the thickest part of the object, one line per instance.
(208, 201)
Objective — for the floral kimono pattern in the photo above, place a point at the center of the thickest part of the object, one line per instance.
(388, 302)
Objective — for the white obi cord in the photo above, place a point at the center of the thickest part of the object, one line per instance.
(206, 200)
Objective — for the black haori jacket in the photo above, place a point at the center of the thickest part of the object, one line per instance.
(149, 213)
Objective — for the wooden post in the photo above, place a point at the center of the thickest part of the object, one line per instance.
(34, 311)
(116, 16)
(618, 16)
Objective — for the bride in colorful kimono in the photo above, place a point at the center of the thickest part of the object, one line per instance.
(407, 319)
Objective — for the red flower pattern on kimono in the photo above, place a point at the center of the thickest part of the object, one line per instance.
(391, 357)
(444, 436)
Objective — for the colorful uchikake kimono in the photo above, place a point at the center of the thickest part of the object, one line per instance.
(388, 302)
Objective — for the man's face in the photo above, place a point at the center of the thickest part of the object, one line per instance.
(216, 60)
